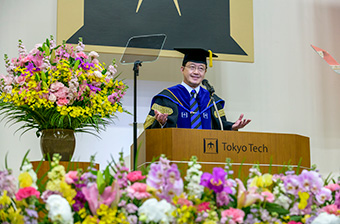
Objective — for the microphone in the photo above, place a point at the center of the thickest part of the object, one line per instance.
(211, 91)
(208, 86)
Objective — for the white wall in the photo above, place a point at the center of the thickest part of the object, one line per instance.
(289, 88)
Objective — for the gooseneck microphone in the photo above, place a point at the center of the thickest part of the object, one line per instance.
(208, 86)
(211, 91)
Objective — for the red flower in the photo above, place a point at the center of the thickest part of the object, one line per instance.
(26, 192)
(203, 206)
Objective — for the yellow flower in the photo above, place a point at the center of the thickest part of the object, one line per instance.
(304, 219)
(53, 185)
(304, 196)
(90, 220)
(25, 180)
(262, 181)
(4, 199)
(286, 217)
(102, 210)
(15, 217)
(209, 222)
(67, 192)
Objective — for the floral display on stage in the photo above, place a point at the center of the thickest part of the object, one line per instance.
(60, 87)
(160, 195)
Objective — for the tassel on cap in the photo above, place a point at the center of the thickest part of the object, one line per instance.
(210, 58)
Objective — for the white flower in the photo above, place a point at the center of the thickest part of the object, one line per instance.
(98, 74)
(93, 54)
(154, 211)
(59, 210)
(26, 167)
(52, 97)
(325, 218)
(283, 200)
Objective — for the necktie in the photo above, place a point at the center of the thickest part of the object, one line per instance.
(194, 111)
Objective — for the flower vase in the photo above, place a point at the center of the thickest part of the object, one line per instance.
(61, 141)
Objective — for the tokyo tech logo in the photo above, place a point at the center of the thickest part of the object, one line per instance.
(210, 145)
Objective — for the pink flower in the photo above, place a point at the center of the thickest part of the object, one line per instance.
(26, 192)
(330, 209)
(93, 54)
(293, 222)
(268, 196)
(71, 177)
(135, 176)
(94, 199)
(20, 80)
(62, 102)
(8, 80)
(62, 92)
(112, 69)
(244, 197)
(204, 206)
(56, 86)
(234, 214)
(82, 54)
(333, 187)
(138, 190)
(184, 201)
(95, 61)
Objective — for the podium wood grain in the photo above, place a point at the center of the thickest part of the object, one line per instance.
(212, 147)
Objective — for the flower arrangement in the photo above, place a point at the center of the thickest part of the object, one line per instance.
(116, 195)
(60, 87)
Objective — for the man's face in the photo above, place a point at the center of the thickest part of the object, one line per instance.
(193, 73)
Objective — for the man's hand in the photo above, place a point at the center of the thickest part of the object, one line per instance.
(161, 118)
(240, 123)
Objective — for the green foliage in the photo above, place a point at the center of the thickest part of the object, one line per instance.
(42, 118)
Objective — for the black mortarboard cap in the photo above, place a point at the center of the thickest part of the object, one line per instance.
(197, 55)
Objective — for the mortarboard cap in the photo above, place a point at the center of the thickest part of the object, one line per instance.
(197, 55)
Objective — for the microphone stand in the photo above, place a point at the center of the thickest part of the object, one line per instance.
(218, 114)
(136, 66)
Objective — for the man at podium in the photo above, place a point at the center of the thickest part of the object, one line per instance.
(187, 105)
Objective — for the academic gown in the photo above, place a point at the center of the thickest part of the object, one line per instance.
(175, 101)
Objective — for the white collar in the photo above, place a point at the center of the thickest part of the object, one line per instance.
(197, 89)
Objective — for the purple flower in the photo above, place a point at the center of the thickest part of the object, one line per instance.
(93, 88)
(170, 190)
(79, 201)
(30, 67)
(7, 183)
(172, 174)
(48, 193)
(121, 178)
(131, 208)
(214, 181)
(31, 213)
(80, 59)
(156, 176)
(88, 178)
(291, 184)
(310, 181)
(222, 198)
(323, 195)
(85, 65)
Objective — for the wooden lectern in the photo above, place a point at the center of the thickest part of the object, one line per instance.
(212, 147)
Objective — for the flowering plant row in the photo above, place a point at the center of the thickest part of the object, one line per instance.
(60, 87)
(116, 195)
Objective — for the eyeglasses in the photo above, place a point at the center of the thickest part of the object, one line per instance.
(192, 68)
